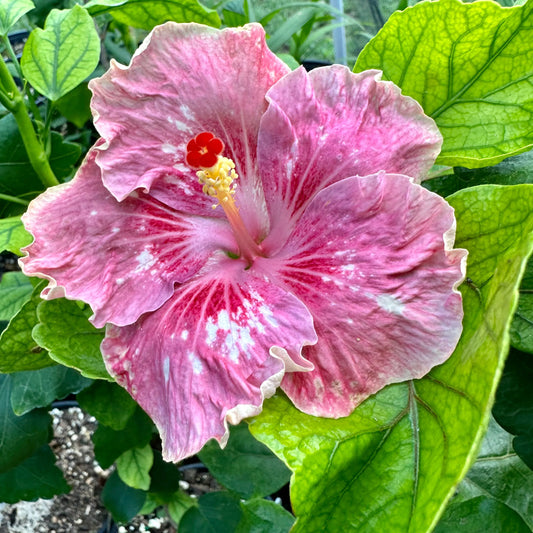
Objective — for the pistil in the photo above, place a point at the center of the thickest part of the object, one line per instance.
(217, 175)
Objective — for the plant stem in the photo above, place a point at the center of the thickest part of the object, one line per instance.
(13, 199)
(14, 60)
(14, 102)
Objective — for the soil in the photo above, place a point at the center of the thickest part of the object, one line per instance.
(81, 510)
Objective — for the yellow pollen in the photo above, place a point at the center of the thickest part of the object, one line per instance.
(218, 180)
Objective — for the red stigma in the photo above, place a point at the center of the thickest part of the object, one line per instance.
(203, 150)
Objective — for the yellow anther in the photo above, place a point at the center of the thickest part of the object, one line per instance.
(218, 180)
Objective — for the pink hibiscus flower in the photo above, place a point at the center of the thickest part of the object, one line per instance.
(304, 258)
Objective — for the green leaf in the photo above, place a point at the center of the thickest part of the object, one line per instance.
(497, 490)
(75, 105)
(512, 171)
(109, 403)
(11, 11)
(179, 505)
(15, 291)
(17, 177)
(18, 350)
(122, 501)
(165, 478)
(60, 57)
(35, 477)
(110, 444)
(39, 388)
(134, 465)
(481, 515)
(21, 436)
(398, 457)
(216, 511)
(469, 66)
(63, 329)
(13, 236)
(514, 403)
(146, 14)
(522, 326)
(245, 466)
(263, 516)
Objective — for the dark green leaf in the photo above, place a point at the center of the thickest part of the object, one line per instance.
(146, 14)
(497, 490)
(512, 171)
(21, 436)
(42, 7)
(514, 403)
(398, 457)
(11, 11)
(110, 444)
(15, 291)
(522, 326)
(17, 177)
(63, 329)
(218, 512)
(165, 476)
(18, 350)
(481, 515)
(60, 57)
(109, 403)
(245, 465)
(263, 516)
(39, 388)
(469, 66)
(122, 501)
(74, 106)
(35, 477)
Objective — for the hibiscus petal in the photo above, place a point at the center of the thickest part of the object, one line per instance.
(185, 79)
(121, 258)
(202, 360)
(372, 259)
(331, 124)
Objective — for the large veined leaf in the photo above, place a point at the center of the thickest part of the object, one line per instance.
(60, 57)
(470, 67)
(397, 458)
(11, 11)
(146, 14)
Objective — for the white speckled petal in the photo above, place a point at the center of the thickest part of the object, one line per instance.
(183, 80)
(330, 124)
(121, 258)
(372, 258)
(210, 355)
